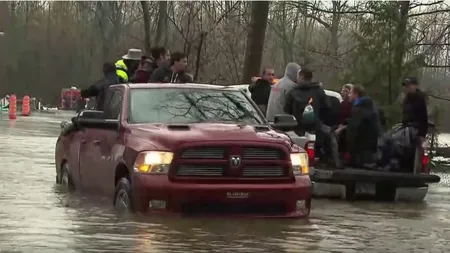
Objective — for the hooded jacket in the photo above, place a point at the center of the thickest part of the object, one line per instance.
(277, 97)
(166, 75)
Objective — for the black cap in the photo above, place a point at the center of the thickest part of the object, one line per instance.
(410, 80)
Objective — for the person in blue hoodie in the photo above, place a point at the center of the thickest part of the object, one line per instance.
(363, 128)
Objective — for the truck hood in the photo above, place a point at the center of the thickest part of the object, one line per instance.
(168, 137)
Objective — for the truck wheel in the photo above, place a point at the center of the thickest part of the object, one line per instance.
(66, 178)
(123, 196)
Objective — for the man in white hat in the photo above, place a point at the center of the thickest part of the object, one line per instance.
(128, 64)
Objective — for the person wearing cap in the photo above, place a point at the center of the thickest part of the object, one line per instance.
(414, 108)
(126, 67)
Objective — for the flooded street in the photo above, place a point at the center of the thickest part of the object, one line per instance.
(36, 217)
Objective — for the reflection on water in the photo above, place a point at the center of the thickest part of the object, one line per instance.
(36, 217)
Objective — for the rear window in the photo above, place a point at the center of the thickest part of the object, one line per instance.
(166, 105)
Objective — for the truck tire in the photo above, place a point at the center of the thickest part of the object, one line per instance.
(123, 200)
(66, 178)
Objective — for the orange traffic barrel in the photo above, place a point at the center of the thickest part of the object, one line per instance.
(12, 107)
(26, 106)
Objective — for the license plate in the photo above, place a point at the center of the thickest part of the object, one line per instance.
(237, 195)
(365, 189)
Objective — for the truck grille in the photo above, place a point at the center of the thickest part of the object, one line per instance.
(203, 153)
(263, 171)
(263, 153)
(199, 171)
(214, 161)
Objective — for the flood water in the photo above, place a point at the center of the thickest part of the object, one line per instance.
(36, 217)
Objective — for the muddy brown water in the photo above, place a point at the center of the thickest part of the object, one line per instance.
(35, 216)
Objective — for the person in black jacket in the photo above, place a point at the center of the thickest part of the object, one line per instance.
(97, 90)
(414, 108)
(363, 128)
(260, 90)
(100, 88)
(173, 74)
(415, 116)
(296, 101)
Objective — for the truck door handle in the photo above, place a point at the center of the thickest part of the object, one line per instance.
(96, 142)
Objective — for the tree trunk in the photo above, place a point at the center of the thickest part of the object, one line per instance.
(146, 14)
(255, 39)
(162, 22)
(399, 49)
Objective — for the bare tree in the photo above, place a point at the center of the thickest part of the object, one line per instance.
(255, 39)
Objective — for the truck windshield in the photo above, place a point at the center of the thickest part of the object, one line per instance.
(178, 106)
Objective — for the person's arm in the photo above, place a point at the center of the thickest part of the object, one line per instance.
(289, 103)
(422, 116)
(91, 91)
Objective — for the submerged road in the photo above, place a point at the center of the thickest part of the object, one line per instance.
(36, 217)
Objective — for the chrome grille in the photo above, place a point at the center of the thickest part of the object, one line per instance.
(263, 171)
(262, 153)
(199, 171)
(203, 153)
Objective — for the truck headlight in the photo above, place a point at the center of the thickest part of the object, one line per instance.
(299, 163)
(153, 162)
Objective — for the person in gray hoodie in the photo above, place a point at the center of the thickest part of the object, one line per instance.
(277, 97)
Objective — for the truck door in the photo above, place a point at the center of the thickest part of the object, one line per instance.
(106, 168)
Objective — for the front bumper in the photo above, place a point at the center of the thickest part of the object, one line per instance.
(158, 194)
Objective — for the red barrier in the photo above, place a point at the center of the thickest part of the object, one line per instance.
(26, 106)
(12, 107)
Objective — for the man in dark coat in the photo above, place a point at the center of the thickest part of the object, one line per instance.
(298, 98)
(97, 90)
(415, 115)
(363, 128)
(176, 73)
(260, 89)
(100, 88)
(414, 108)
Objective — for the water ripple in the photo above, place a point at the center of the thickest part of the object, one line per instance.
(36, 217)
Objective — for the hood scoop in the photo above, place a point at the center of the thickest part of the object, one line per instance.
(261, 128)
(178, 127)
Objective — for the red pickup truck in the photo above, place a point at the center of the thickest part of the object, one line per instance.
(185, 149)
